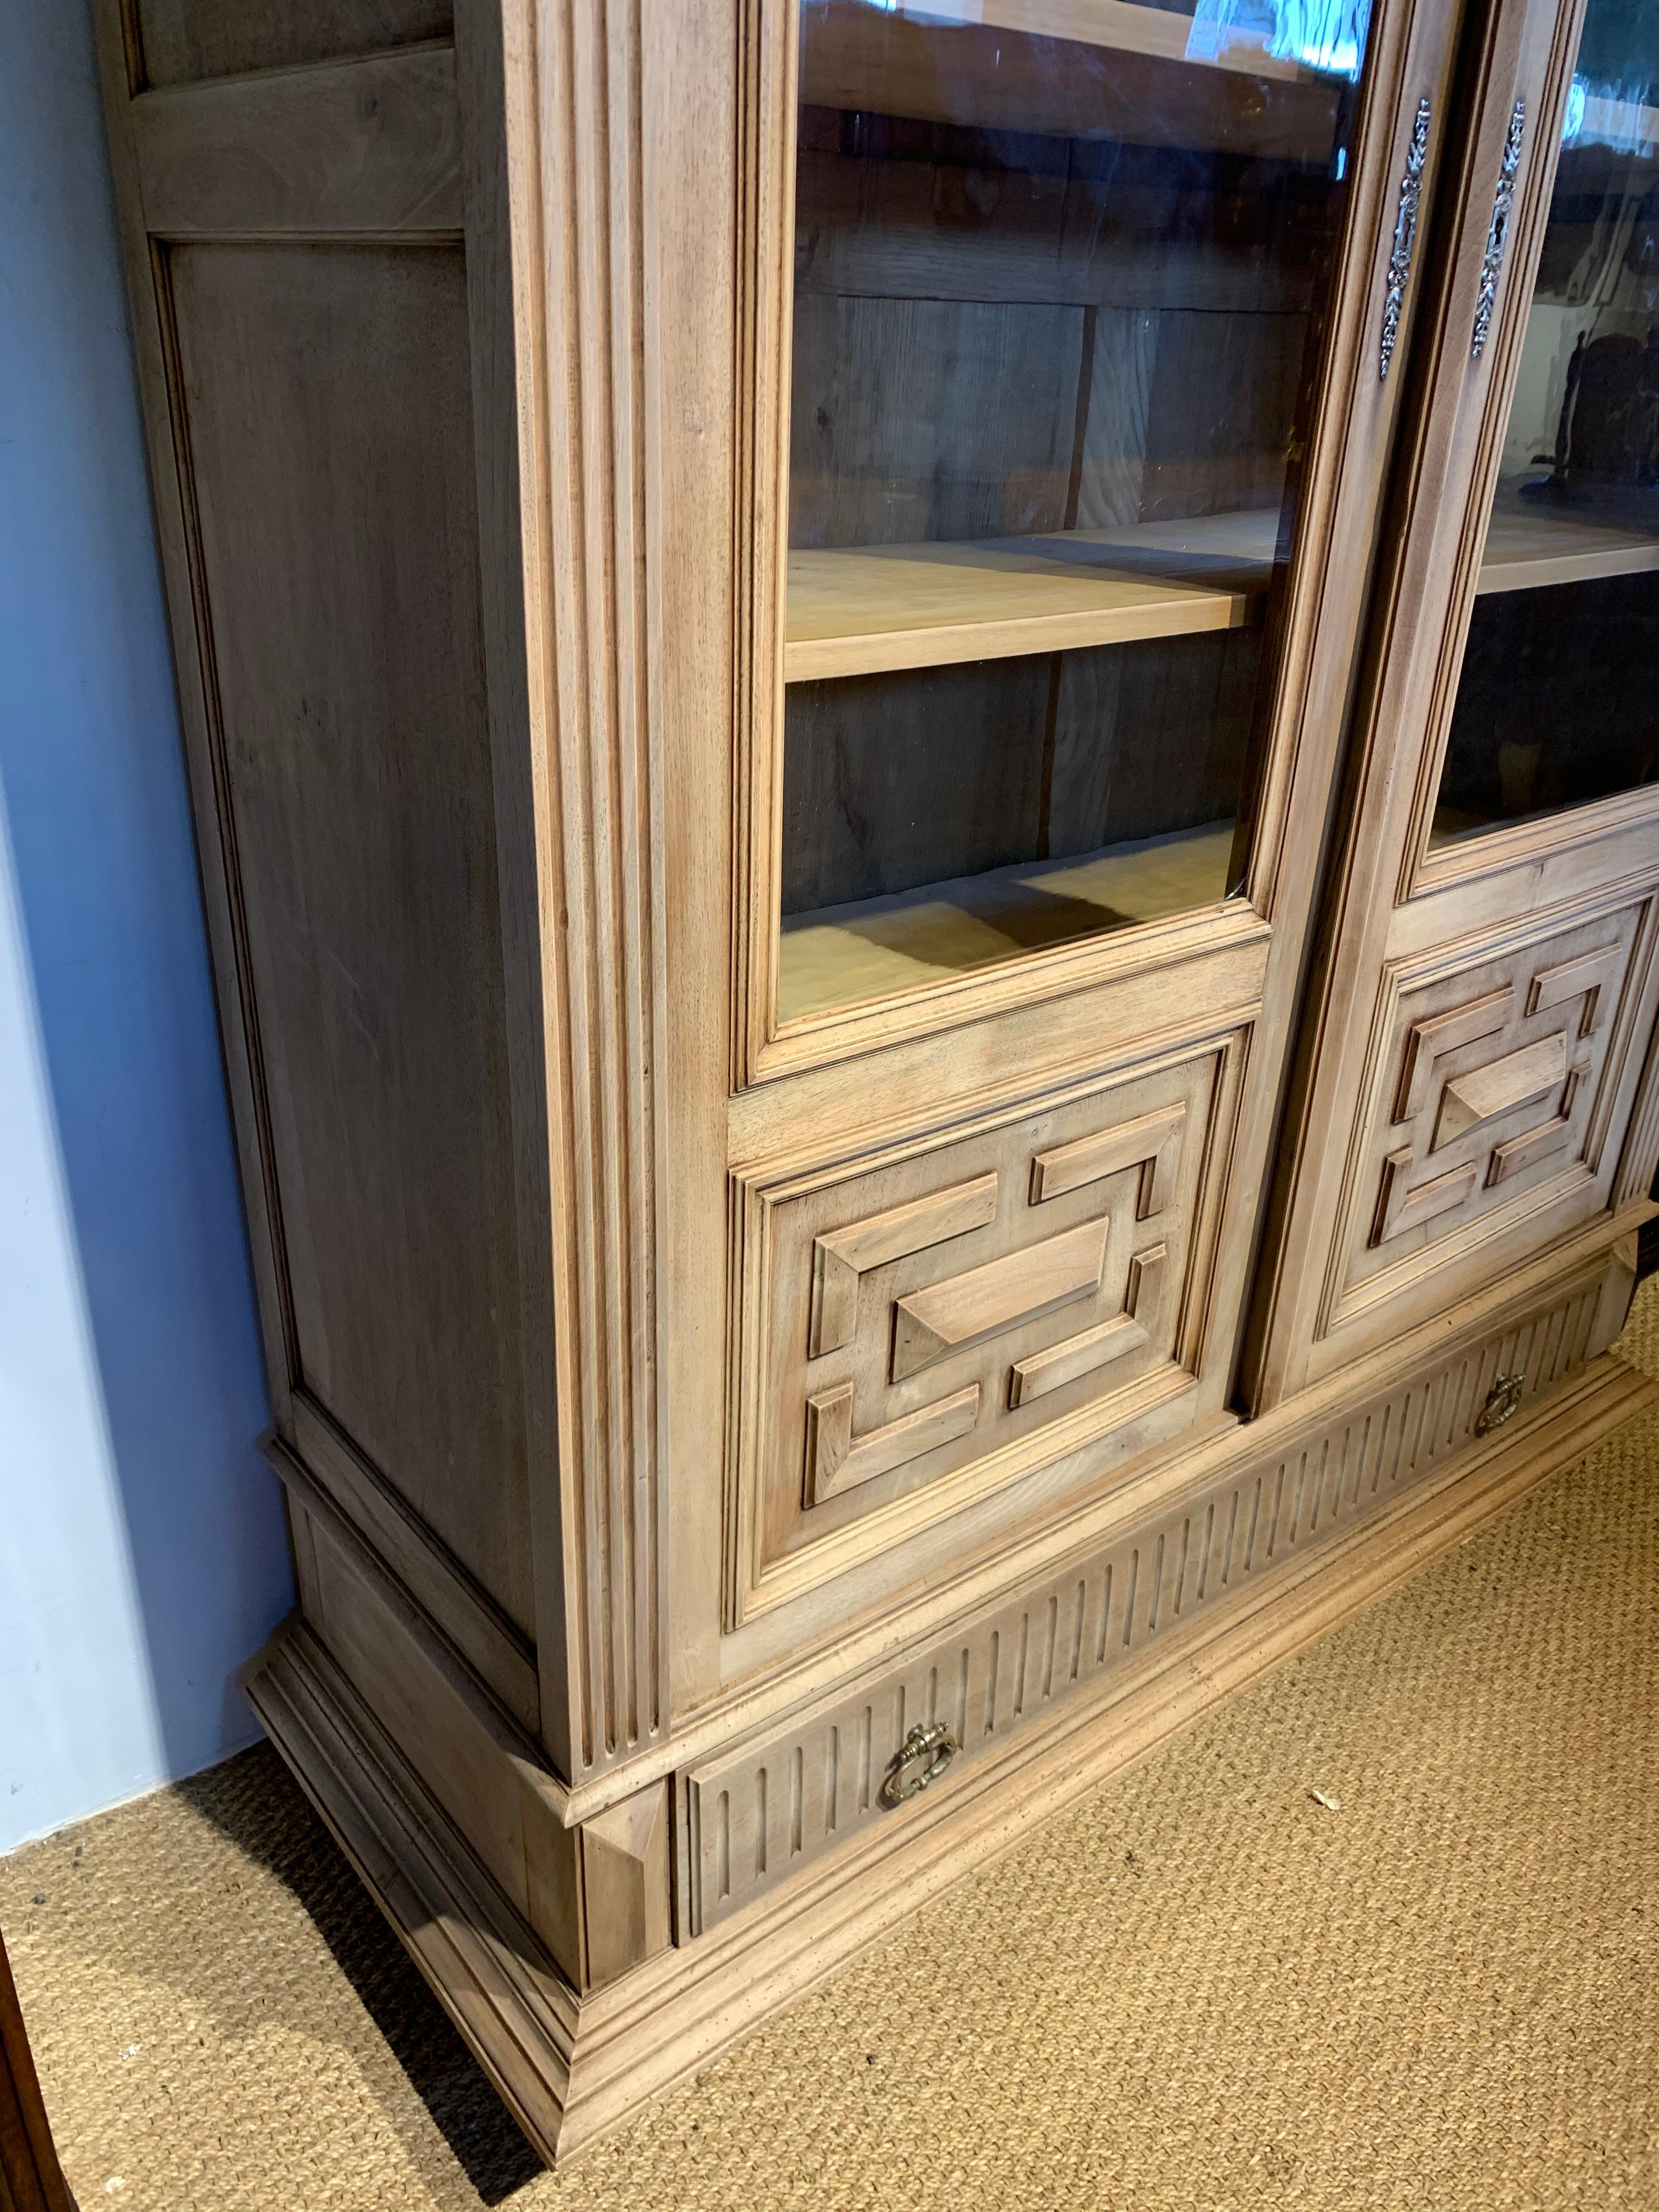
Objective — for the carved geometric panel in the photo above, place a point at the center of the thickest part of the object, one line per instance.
(1492, 1090)
(964, 1311)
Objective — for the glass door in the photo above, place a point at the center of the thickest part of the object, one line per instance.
(1074, 324)
(1482, 1095)
(1557, 703)
(1061, 273)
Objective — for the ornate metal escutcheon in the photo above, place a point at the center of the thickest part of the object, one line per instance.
(921, 1759)
(1498, 233)
(1502, 1400)
(1405, 237)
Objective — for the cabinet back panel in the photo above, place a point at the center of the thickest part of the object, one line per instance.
(897, 780)
(184, 40)
(327, 396)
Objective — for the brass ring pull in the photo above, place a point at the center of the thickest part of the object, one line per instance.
(921, 1759)
(1502, 1400)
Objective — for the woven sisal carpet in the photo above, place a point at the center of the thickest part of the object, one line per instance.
(1203, 1989)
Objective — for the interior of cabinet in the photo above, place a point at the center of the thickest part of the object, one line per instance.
(1056, 285)
(1556, 704)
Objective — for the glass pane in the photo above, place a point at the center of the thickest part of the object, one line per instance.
(1059, 265)
(1558, 700)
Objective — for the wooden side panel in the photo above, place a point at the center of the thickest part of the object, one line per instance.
(180, 41)
(363, 147)
(31, 2180)
(325, 399)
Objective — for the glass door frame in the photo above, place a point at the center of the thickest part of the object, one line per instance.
(1462, 434)
(1338, 499)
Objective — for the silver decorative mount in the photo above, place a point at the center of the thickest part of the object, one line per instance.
(1498, 231)
(1405, 237)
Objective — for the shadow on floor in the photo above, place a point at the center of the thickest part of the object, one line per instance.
(257, 1805)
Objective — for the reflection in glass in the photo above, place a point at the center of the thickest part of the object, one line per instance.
(1054, 302)
(1558, 699)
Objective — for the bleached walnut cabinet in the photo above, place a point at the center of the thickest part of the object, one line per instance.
(928, 785)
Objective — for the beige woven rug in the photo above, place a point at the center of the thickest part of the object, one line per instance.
(1201, 1989)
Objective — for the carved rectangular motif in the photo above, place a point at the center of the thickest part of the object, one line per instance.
(1496, 1084)
(1125, 1332)
(966, 1311)
(989, 1301)
(850, 1253)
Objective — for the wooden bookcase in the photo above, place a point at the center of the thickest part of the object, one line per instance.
(932, 839)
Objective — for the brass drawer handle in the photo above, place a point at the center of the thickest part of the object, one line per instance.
(921, 1759)
(1405, 237)
(1502, 1400)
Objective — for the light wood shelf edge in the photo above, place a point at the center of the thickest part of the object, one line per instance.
(851, 614)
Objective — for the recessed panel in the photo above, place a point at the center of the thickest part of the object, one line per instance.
(327, 392)
(184, 40)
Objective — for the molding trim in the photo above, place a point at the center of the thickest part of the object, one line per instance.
(484, 1965)
(1641, 1154)
(579, 185)
(322, 1458)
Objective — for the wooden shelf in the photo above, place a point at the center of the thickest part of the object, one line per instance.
(853, 612)
(867, 609)
(1128, 76)
(842, 956)
(1532, 543)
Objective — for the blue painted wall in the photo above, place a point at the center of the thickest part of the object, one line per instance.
(142, 1552)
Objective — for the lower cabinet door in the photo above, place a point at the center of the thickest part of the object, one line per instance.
(1502, 1078)
(993, 1319)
